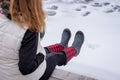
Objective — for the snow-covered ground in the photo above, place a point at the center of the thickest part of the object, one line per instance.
(100, 22)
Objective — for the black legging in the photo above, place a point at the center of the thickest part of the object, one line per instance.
(52, 60)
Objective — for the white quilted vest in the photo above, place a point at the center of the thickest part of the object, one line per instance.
(11, 36)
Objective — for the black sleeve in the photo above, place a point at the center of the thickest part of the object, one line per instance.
(28, 60)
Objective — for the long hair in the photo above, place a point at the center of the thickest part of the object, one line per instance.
(28, 13)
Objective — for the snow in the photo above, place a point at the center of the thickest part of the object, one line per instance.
(100, 54)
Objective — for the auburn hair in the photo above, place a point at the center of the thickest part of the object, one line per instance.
(28, 13)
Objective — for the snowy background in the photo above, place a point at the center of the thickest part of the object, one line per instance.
(100, 22)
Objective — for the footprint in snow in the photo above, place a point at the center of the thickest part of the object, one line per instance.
(51, 13)
(113, 8)
(116, 7)
(80, 8)
(105, 3)
(53, 7)
(109, 11)
(84, 1)
(118, 10)
(93, 46)
(86, 13)
(97, 5)
(84, 6)
(77, 9)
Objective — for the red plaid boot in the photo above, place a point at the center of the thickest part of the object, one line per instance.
(74, 50)
(62, 45)
(69, 53)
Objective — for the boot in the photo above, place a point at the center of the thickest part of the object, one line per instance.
(78, 41)
(74, 50)
(62, 45)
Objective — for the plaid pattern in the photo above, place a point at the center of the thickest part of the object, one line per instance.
(55, 48)
(70, 53)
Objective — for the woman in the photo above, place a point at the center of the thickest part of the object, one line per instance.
(22, 57)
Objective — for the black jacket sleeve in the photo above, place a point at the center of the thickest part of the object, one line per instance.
(28, 60)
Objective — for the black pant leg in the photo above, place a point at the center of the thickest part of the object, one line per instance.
(46, 50)
(52, 60)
